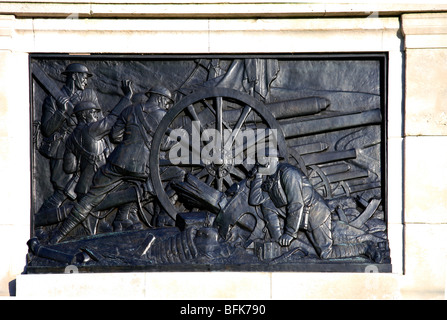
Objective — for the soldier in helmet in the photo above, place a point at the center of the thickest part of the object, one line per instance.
(57, 122)
(283, 190)
(133, 131)
(88, 146)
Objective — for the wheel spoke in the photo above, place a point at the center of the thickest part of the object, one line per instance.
(195, 117)
(192, 112)
(228, 180)
(186, 144)
(209, 180)
(202, 173)
(245, 112)
(219, 128)
(253, 142)
(214, 113)
(219, 184)
(219, 115)
(237, 172)
(168, 163)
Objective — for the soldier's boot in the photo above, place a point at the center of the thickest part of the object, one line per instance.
(321, 237)
(374, 253)
(133, 217)
(73, 220)
(120, 218)
(368, 249)
(126, 218)
(53, 201)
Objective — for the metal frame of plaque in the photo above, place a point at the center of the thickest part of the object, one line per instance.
(261, 162)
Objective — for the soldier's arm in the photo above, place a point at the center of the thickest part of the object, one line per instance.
(52, 117)
(101, 128)
(70, 160)
(117, 131)
(257, 195)
(292, 184)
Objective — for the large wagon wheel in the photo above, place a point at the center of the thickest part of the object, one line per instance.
(225, 111)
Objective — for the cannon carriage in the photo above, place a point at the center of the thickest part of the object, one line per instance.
(332, 171)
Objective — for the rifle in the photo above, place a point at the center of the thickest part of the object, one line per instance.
(49, 86)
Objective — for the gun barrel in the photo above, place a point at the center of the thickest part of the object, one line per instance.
(298, 128)
(298, 107)
(328, 157)
(48, 84)
(285, 109)
(44, 252)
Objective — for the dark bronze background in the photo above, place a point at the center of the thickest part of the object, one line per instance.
(330, 110)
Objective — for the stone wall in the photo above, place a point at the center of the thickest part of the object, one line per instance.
(416, 42)
(424, 133)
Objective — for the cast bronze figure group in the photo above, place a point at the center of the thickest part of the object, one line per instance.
(121, 198)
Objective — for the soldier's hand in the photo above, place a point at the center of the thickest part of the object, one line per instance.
(253, 172)
(62, 103)
(127, 88)
(285, 240)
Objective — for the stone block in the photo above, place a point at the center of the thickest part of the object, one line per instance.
(154, 286)
(425, 30)
(335, 286)
(425, 261)
(426, 92)
(425, 180)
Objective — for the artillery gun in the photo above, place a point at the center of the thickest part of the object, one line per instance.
(222, 108)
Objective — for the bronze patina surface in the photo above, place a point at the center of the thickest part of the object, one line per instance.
(208, 162)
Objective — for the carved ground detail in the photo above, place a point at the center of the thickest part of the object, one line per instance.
(193, 163)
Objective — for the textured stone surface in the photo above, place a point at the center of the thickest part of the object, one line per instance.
(424, 217)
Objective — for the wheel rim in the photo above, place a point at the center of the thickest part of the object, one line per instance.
(223, 101)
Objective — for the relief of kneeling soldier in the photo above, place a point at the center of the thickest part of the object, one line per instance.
(283, 190)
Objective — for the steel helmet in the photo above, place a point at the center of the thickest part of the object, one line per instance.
(85, 105)
(161, 91)
(77, 68)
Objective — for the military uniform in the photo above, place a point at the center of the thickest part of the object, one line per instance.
(56, 126)
(288, 193)
(133, 130)
(88, 147)
(129, 160)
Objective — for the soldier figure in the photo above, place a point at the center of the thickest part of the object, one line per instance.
(57, 122)
(286, 191)
(88, 146)
(133, 130)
